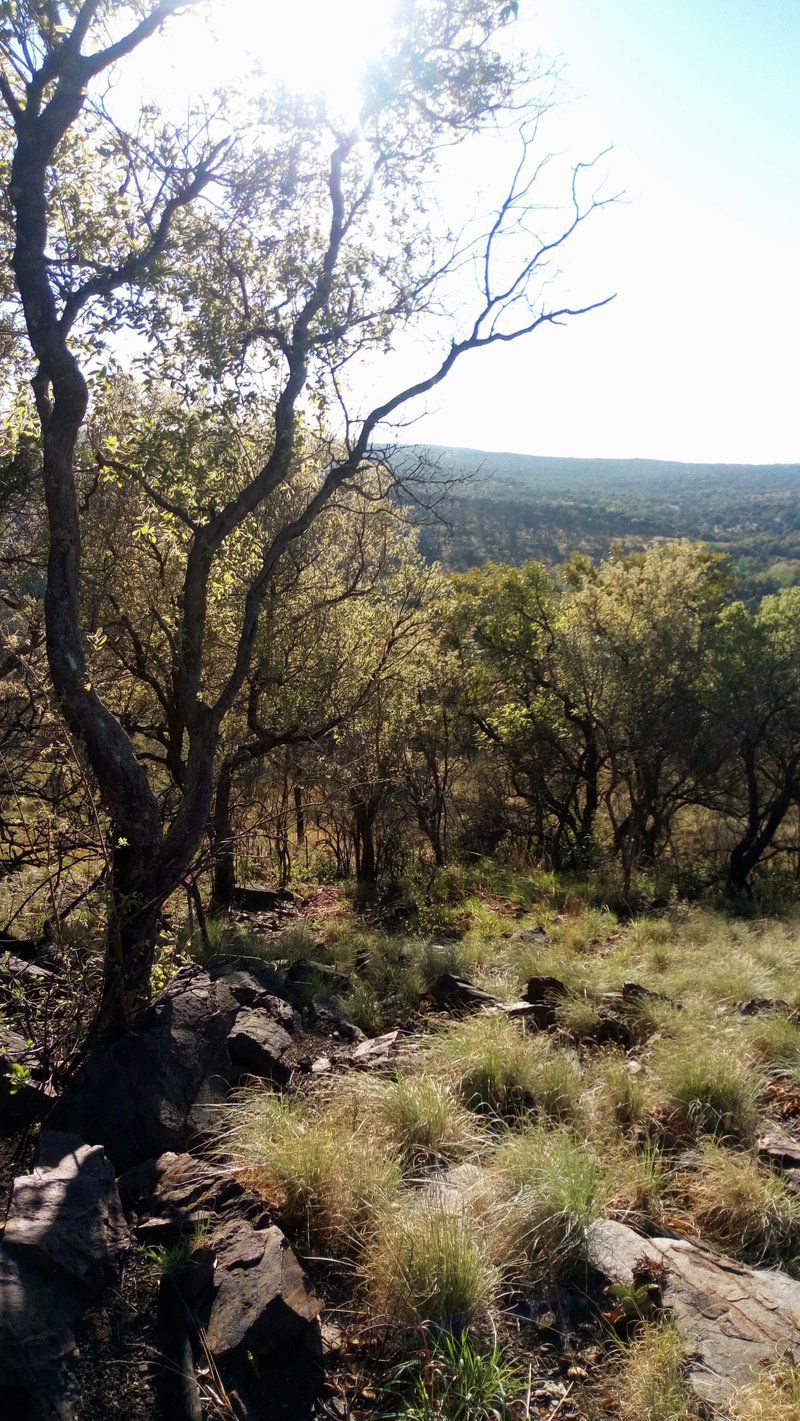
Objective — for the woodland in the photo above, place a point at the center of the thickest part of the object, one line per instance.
(399, 1009)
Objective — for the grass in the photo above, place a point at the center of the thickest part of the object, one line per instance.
(651, 1383)
(774, 1042)
(742, 1208)
(324, 1176)
(708, 1088)
(556, 1187)
(499, 1071)
(455, 1379)
(622, 1092)
(772, 1396)
(421, 1117)
(428, 1263)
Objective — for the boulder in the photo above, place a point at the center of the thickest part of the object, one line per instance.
(544, 994)
(175, 1193)
(256, 1298)
(64, 1241)
(734, 1319)
(331, 1017)
(256, 899)
(254, 984)
(257, 1043)
(378, 1051)
(154, 1088)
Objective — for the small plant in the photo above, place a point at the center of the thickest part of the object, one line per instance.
(455, 1380)
(422, 1118)
(429, 1263)
(324, 1173)
(652, 1385)
(555, 1186)
(774, 1395)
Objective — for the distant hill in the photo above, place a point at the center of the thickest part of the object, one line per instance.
(514, 507)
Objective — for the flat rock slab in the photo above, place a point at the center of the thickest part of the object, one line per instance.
(456, 994)
(782, 1152)
(734, 1319)
(178, 1191)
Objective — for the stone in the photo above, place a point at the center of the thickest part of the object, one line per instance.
(177, 1191)
(64, 1241)
(378, 1051)
(255, 984)
(456, 994)
(331, 1017)
(544, 994)
(257, 1043)
(734, 1319)
(534, 935)
(257, 1298)
(304, 972)
(157, 1085)
(782, 1153)
(68, 1210)
(256, 899)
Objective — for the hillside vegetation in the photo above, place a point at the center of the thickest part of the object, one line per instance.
(515, 507)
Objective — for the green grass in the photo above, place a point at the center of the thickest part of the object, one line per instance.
(500, 1071)
(708, 1088)
(455, 1379)
(651, 1384)
(422, 1118)
(428, 1263)
(743, 1208)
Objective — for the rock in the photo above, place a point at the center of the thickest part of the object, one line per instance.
(250, 982)
(544, 994)
(519, 1009)
(759, 1006)
(257, 1298)
(331, 1017)
(68, 1210)
(257, 1044)
(533, 935)
(783, 1153)
(63, 1242)
(321, 1066)
(153, 1088)
(378, 1051)
(734, 1319)
(261, 900)
(18, 967)
(454, 993)
(177, 1191)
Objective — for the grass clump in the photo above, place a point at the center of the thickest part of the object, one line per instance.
(429, 1263)
(772, 1396)
(774, 1042)
(708, 1089)
(744, 1209)
(622, 1093)
(555, 1187)
(324, 1176)
(455, 1379)
(652, 1384)
(422, 1118)
(499, 1071)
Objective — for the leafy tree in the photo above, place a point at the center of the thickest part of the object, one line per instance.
(261, 255)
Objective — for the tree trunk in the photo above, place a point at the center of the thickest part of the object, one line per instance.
(223, 871)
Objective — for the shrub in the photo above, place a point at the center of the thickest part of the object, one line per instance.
(652, 1385)
(497, 1070)
(709, 1089)
(421, 1117)
(556, 1188)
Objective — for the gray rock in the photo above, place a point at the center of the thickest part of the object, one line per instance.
(331, 1017)
(257, 1043)
(138, 1096)
(734, 1319)
(64, 1241)
(253, 984)
(456, 994)
(177, 1191)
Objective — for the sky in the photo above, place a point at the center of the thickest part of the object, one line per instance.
(697, 356)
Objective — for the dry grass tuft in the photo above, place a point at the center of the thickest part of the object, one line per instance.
(652, 1384)
(427, 1262)
(744, 1209)
(497, 1070)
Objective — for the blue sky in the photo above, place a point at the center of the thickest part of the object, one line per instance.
(697, 357)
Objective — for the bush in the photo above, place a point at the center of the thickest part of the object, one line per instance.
(746, 1210)
(556, 1188)
(708, 1089)
(652, 1385)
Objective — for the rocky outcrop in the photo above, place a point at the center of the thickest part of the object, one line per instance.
(456, 994)
(64, 1241)
(734, 1319)
(257, 1044)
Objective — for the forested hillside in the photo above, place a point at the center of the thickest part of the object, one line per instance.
(514, 507)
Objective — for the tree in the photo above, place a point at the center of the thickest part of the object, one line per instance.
(260, 255)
